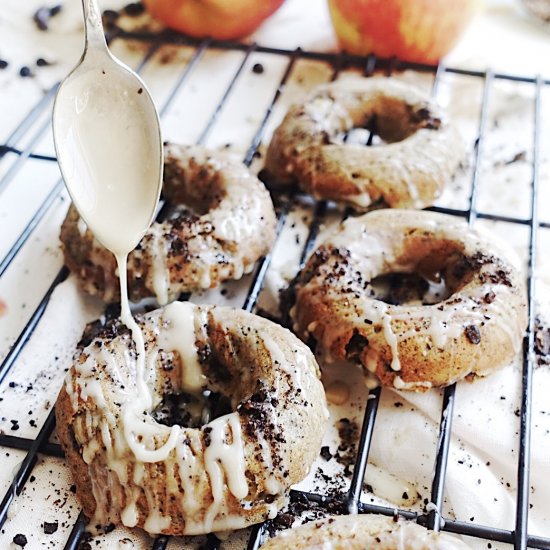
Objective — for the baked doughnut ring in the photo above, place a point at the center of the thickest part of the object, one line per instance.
(421, 155)
(235, 226)
(229, 473)
(363, 531)
(475, 330)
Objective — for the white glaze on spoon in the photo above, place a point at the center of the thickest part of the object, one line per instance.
(107, 138)
(110, 154)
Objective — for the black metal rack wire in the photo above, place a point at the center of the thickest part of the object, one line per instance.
(517, 534)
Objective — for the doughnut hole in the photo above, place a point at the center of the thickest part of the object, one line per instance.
(438, 270)
(387, 120)
(199, 189)
(191, 410)
(395, 120)
(408, 289)
(189, 193)
(364, 134)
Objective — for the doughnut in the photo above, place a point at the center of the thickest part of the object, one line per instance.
(219, 474)
(421, 154)
(360, 532)
(231, 226)
(473, 329)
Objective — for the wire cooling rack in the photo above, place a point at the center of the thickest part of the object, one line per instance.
(33, 132)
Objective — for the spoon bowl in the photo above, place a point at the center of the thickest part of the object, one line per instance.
(108, 143)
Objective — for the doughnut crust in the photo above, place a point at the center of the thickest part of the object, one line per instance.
(475, 330)
(234, 225)
(228, 473)
(363, 532)
(421, 154)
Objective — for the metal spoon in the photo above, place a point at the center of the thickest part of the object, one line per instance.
(107, 139)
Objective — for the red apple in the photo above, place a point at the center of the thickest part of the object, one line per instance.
(221, 19)
(422, 31)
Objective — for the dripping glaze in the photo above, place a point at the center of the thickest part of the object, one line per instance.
(115, 181)
(120, 443)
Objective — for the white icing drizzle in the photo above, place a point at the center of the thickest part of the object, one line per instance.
(89, 451)
(142, 451)
(137, 334)
(238, 270)
(186, 468)
(278, 357)
(129, 515)
(205, 280)
(377, 312)
(92, 388)
(363, 244)
(432, 507)
(134, 426)
(312, 326)
(400, 384)
(361, 199)
(232, 229)
(155, 522)
(400, 537)
(272, 510)
(272, 484)
(160, 275)
(179, 336)
(442, 323)
(371, 361)
(391, 340)
(223, 458)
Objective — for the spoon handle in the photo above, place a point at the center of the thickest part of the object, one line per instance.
(95, 36)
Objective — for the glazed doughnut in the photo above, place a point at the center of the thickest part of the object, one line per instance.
(234, 226)
(421, 155)
(226, 474)
(476, 329)
(361, 532)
